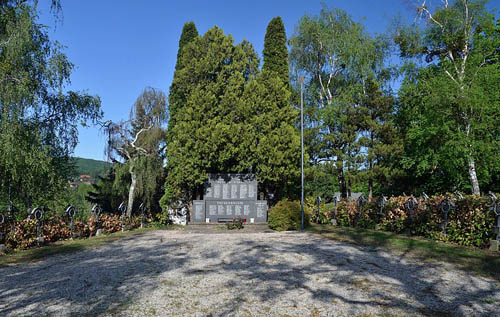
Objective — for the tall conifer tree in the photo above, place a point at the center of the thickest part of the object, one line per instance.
(275, 50)
(211, 133)
(177, 96)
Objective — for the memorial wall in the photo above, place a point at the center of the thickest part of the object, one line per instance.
(229, 196)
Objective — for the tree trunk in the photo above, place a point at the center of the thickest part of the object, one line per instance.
(370, 164)
(473, 177)
(131, 191)
(472, 164)
(370, 189)
(349, 187)
(343, 188)
(28, 203)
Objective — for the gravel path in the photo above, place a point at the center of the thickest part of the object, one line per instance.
(171, 273)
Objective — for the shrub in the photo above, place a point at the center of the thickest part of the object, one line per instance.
(110, 223)
(325, 213)
(470, 223)
(286, 215)
(23, 233)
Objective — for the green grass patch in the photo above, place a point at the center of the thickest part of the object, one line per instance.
(69, 246)
(469, 259)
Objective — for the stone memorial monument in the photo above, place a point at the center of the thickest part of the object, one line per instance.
(228, 197)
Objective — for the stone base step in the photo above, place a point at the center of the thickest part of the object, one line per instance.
(222, 228)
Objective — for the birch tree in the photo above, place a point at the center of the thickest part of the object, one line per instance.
(140, 137)
(459, 39)
(335, 55)
(39, 116)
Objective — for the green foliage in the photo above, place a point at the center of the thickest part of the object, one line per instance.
(140, 142)
(38, 119)
(110, 190)
(379, 137)
(470, 223)
(275, 158)
(76, 198)
(275, 51)
(438, 142)
(177, 92)
(450, 107)
(286, 215)
(211, 133)
(320, 180)
(235, 119)
(189, 33)
(94, 168)
(336, 58)
(150, 180)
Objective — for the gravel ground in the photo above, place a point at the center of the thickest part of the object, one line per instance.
(171, 273)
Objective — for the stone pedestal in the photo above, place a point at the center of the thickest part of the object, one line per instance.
(334, 222)
(98, 232)
(495, 245)
(2, 248)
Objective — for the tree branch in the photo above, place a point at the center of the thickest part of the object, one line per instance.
(423, 9)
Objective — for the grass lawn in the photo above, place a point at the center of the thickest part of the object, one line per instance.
(469, 259)
(68, 246)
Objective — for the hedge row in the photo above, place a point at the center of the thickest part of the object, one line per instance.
(470, 223)
(23, 234)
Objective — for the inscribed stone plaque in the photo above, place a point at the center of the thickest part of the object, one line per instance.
(237, 210)
(251, 191)
(231, 187)
(234, 191)
(229, 196)
(217, 188)
(225, 191)
(213, 210)
(243, 191)
(220, 210)
(261, 210)
(199, 210)
(209, 191)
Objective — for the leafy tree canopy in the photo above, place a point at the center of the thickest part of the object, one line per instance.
(38, 116)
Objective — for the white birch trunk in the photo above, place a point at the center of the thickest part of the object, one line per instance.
(473, 177)
(131, 191)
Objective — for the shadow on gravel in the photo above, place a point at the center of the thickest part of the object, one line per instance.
(467, 258)
(347, 269)
(113, 276)
(291, 267)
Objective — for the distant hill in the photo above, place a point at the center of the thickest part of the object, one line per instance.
(94, 168)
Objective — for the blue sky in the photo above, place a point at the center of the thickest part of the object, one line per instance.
(121, 46)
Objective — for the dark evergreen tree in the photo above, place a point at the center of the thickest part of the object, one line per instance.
(275, 50)
(189, 33)
(177, 96)
(103, 193)
(379, 136)
(275, 157)
(212, 133)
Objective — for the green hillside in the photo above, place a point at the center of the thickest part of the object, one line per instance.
(90, 167)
